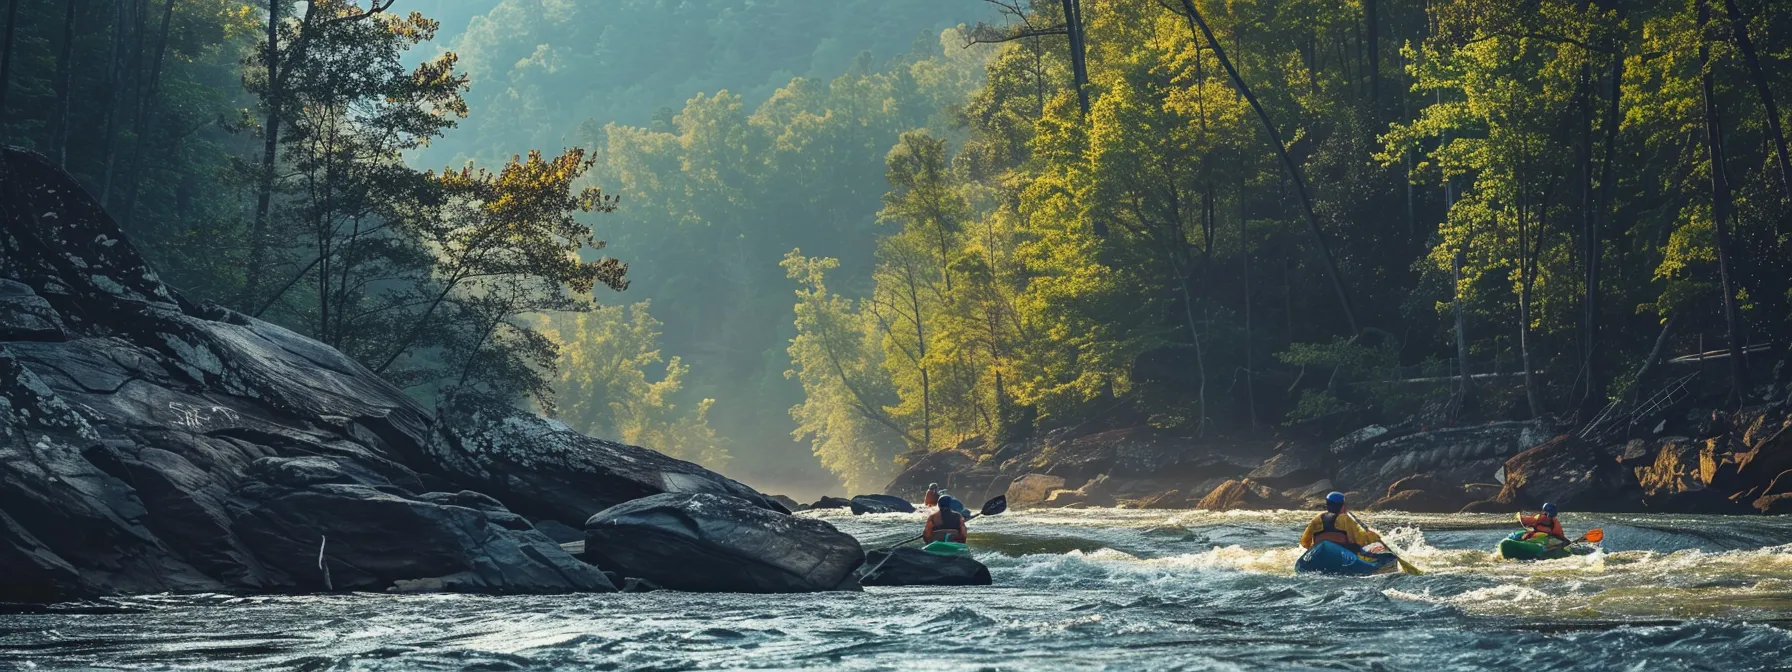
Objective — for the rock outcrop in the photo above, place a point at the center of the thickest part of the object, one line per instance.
(312, 522)
(150, 444)
(544, 469)
(1244, 494)
(915, 567)
(1374, 458)
(718, 543)
(864, 504)
(1138, 462)
(1569, 473)
(1032, 490)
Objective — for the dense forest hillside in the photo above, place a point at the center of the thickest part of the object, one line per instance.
(542, 70)
(844, 231)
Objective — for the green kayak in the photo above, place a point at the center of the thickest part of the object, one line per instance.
(1516, 548)
(951, 548)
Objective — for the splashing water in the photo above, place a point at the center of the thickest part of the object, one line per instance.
(1075, 589)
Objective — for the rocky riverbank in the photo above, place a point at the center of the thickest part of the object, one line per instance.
(1687, 460)
(152, 444)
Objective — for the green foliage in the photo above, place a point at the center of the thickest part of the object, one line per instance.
(604, 387)
(837, 358)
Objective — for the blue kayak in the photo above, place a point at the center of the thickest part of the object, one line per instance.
(1329, 558)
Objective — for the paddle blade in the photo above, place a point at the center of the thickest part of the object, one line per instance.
(995, 505)
(1408, 567)
(1594, 536)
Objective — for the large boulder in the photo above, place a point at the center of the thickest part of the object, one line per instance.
(915, 567)
(1244, 494)
(864, 504)
(704, 542)
(1169, 499)
(1292, 465)
(544, 469)
(945, 467)
(313, 523)
(789, 504)
(1427, 493)
(1570, 473)
(131, 418)
(1032, 490)
(1676, 480)
(831, 502)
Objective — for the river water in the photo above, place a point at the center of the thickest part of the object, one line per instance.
(1075, 589)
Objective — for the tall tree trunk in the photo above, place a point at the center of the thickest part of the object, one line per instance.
(1720, 214)
(1590, 250)
(1739, 29)
(1244, 258)
(1073, 28)
(64, 79)
(1526, 263)
(264, 192)
(145, 114)
(1457, 261)
(1645, 371)
(12, 25)
(1300, 184)
(1373, 46)
(115, 82)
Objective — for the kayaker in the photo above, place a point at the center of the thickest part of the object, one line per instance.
(933, 495)
(1338, 527)
(946, 524)
(1546, 526)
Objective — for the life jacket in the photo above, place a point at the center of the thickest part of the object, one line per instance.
(949, 521)
(932, 498)
(1543, 525)
(1331, 532)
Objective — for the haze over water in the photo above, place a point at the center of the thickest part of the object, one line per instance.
(1074, 589)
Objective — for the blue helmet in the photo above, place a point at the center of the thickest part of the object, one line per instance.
(1550, 509)
(1335, 499)
(947, 503)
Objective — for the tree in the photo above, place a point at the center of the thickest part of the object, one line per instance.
(603, 387)
(837, 357)
(286, 47)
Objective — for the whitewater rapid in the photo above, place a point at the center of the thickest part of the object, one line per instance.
(1074, 589)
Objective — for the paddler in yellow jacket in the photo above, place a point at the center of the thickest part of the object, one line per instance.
(1338, 527)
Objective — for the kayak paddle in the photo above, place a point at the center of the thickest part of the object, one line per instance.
(994, 506)
(1592, 536)
(1405, 566)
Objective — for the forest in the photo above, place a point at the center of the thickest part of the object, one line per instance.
(805, 241)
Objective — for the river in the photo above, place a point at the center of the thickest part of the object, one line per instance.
(1074, 589)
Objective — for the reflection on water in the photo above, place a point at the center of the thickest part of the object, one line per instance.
(1075, 589)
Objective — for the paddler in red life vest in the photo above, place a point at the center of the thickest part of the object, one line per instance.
(946, 524)
(1338, 527)
(933, 495)
(1544, 527)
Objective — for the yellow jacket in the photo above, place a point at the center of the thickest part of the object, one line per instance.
(1346, 524)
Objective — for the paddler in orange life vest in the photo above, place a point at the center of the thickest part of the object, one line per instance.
(1544, 527)
(946, 524)
(933, 495)
(1338, 527)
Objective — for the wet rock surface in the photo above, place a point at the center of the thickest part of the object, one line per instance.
(718, 543)
(149, 444)
(915, 567)
(544, 469)
(864, 504)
